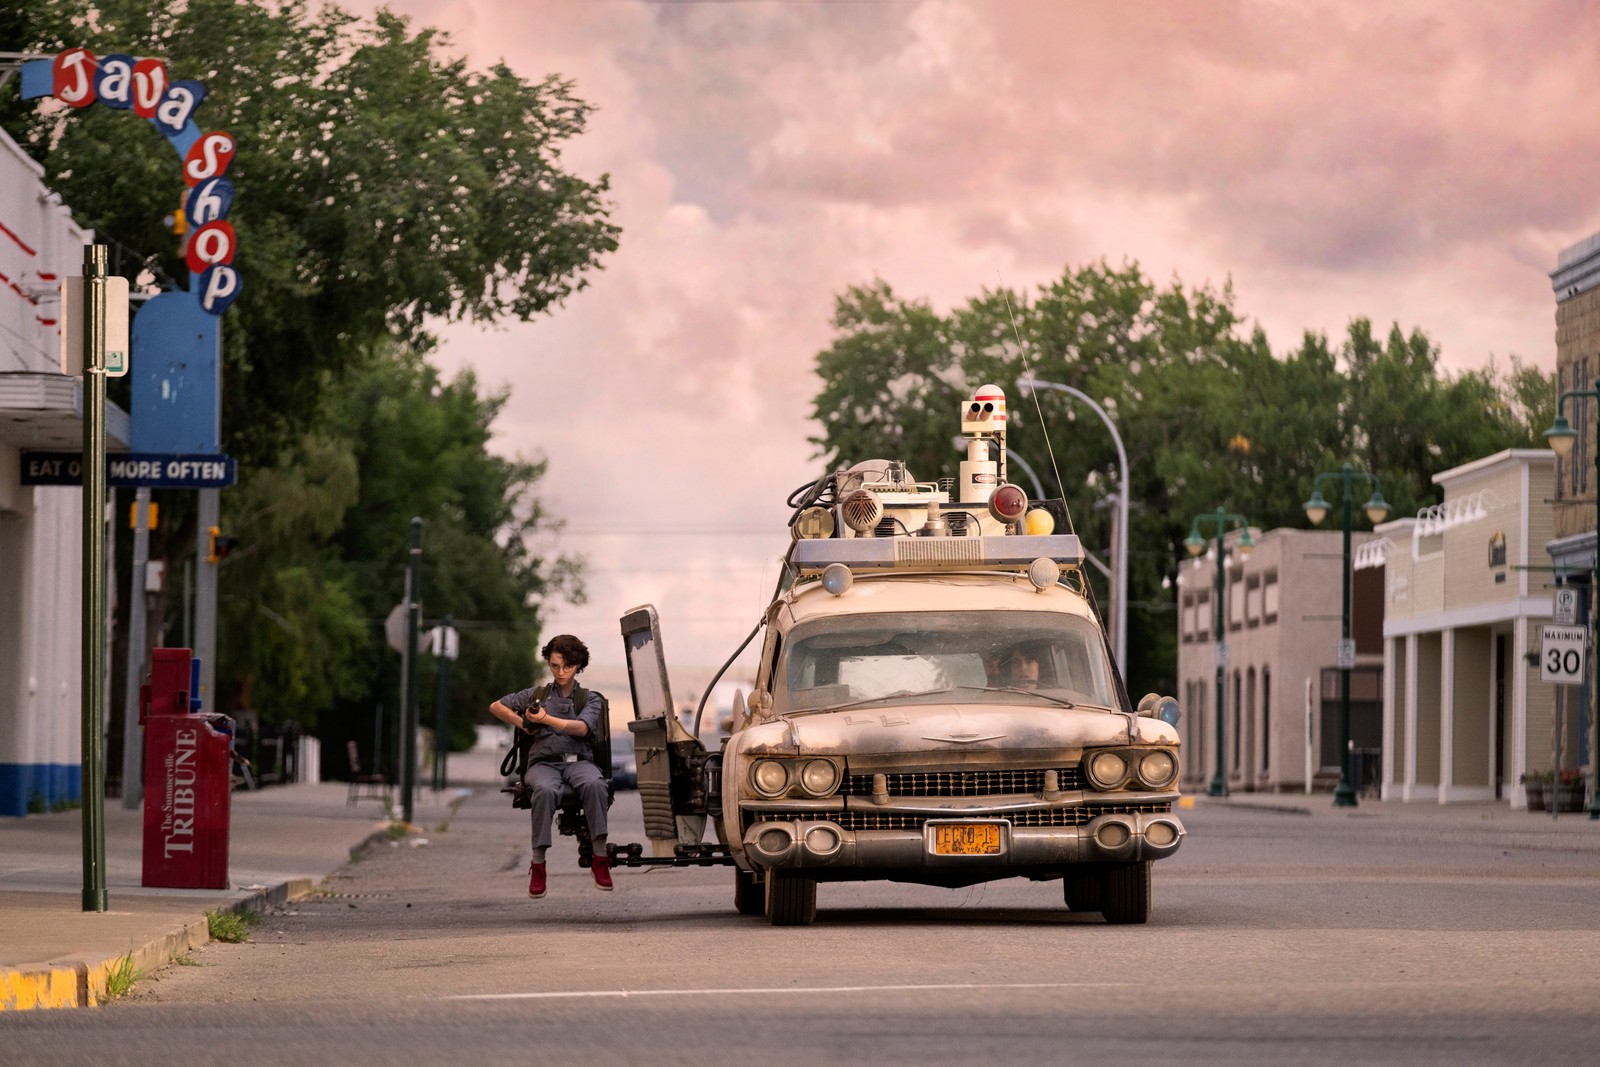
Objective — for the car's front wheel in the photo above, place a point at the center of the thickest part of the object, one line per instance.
(1125, 893)
(791, 899)
(749, 895)
(1081, 889)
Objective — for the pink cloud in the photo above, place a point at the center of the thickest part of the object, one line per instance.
(1422, 162)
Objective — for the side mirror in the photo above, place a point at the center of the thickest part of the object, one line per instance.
(760, 703)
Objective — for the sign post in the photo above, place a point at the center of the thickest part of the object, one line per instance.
(444, 641)
(408, 673)
(95, 260)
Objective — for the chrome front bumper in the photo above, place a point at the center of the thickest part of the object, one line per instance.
(1115, 837)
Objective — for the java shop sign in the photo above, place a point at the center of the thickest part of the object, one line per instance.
(122, 82)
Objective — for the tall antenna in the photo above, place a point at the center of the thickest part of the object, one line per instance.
(1028, 366)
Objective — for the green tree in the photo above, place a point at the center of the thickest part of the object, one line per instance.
(326, 536)
(380, 186)
(1209, 415)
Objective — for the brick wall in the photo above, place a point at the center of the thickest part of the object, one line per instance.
(1577, 365)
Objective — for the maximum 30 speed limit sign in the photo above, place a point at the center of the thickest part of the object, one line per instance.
(1563, 654)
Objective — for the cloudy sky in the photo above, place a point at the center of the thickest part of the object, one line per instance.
(1413, 162)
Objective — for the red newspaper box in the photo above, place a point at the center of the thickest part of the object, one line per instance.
(188, 763)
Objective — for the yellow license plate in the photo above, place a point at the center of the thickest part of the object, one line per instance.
(966, 839)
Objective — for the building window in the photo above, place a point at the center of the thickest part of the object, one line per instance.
(1252, 600)
(1238, 717)
(1581, 457)
(1266, 719)
(1269, 599)
(1195, 736)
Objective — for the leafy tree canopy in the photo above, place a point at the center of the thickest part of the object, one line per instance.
(326, 536)
(381, 187)
(379, 184)
(1209, 415)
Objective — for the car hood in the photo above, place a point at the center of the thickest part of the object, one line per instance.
(958, 730)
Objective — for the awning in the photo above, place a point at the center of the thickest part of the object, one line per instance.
(44, 412)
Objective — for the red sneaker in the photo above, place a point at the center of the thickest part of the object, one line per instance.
(536, 880)
(601, 866)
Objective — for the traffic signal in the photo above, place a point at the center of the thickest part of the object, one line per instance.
(220, 546)
(154, 515)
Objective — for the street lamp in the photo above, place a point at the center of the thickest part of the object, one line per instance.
(1562, 437)
(1026, 385)
(1344, 795)
(1195, 544)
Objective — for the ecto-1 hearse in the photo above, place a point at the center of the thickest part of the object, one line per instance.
(935, 702)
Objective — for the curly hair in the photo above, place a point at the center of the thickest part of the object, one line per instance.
(574, 653)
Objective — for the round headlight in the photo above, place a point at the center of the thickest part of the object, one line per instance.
(1157, 769)
(837, 578)
(822, 840)
(774, 842)
(819, 777)
(1107, 770)
(770, 777)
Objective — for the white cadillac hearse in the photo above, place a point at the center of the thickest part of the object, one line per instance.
(935, 702)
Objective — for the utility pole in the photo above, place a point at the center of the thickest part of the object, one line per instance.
(444, 651)
(94, 577)
(132, 733)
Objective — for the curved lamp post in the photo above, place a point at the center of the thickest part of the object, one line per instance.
(1222, 519)
(1562, 437)
(1344, 795)
(1026, 385)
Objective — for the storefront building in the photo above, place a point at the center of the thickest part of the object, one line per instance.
(1280, 688)
(41, 527)
(1466, 594)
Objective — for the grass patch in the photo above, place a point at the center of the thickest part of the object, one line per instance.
(231, 926)
(397, 830)
(120, 977)
(186, 961)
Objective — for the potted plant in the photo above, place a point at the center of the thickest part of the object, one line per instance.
(1568, 795)
(1536, 784)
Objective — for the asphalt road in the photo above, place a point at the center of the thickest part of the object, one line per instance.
(1275, 939)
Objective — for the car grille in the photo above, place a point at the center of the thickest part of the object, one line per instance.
(1077, 815)
(965, 783)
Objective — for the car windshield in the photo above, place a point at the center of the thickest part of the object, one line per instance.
(976, 657)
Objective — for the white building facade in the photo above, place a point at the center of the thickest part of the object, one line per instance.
(41, 527)
(1467, 589)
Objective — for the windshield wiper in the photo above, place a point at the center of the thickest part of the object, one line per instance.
(902, 694)
(907, 694)
(1025, 692)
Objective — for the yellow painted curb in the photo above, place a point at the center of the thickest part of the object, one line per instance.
(79, 985)
(51, 987)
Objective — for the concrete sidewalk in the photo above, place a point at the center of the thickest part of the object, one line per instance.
(283, 840)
